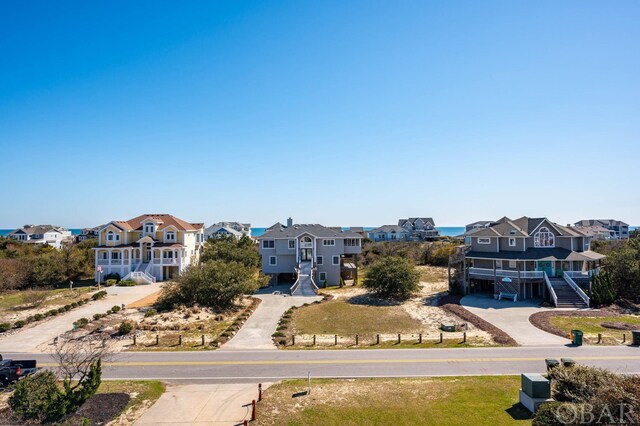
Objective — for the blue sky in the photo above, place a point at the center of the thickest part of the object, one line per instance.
(342, 113)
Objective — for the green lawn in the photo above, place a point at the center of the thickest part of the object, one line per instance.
(487, 400)
(343, 318)
(591, 326)
(56, 297)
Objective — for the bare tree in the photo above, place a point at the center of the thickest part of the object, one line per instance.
(76, 356)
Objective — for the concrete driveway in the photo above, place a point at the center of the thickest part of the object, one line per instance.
(513, 319)
(208, 404)
(39, 337)
(256, 332)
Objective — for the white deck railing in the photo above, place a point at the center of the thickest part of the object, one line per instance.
(295, 285)
(576, 288)
(582, 274)
(552, 292)
(506, 273)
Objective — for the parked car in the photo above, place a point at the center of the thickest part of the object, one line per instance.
(12, 370)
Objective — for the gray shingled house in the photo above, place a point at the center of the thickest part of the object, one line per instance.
(530, 257)
(619, 229)
(310, 253)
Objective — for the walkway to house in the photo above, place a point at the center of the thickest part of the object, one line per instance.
(39, 337)
(305, 287)
(203, 404)
(513, 319)
(256, 332)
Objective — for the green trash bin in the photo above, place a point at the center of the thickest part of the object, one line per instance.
(577, 337)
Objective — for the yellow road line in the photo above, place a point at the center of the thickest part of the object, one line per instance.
(345, 361)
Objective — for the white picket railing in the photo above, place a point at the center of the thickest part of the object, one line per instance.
(552, 292)
(576, 288)
(295, 285)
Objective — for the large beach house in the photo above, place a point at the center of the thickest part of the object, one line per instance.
(310, 254)
(412, 229)
(530, 258)
(148, 248)
(53, 236)
(226, 229)
(619, 230)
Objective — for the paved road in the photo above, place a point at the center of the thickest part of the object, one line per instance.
(513, 318)
(38, 337)
(267, 366)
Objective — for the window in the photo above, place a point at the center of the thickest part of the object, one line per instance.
(171, 236)
(328, 242)
(292, 244)
(167, 255)
(513, 264)
(115, 255)
(544, 238)
(484, 240)
(110, 236)
(499, 264)
(268, 244)
(273, 260)
(352, 242)
(336, 260)
(323, 276)
(319, 260)
(149, 228)
(105, 255)
(512, 242)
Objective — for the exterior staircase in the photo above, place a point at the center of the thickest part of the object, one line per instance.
(304, 285)
(567, 296)
(140, 275)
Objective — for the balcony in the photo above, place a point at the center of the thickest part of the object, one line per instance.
(487, 273)
(306, 245)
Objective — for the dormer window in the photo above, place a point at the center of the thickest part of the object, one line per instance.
(149, 228)
(112, 236)
(171, 236)
(512, 232)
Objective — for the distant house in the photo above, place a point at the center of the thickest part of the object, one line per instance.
(235, 229)
(89, 233)
(389, 233)
(148, 248)
(360, 230)
(313, 253)
(619, 228)
(478, 225)
(53, 236)
(420, 228)
(530, 257)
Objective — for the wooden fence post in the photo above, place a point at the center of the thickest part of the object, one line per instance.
(259, 392)
(253, 410)
(624, 337)
(420, 338)
(134, 340)
(314, 340)
(599, 337)
(377, 339)
(179, 339)
(440, 337)
(157, 339)
(203, 340)
(356, 340)
(335, 339)
(293, 340)
(399, 338)
(464, 337)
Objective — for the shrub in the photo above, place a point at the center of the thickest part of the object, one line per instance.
(341, 282)
(53, 312)
(546, 415)
(20, 324)
(125, 327)
(31, 318)
(98, 316)
(282, 342)
(127, 283)
(61, 310)
(38, 317)
(35, 397)
(392, 277)
(151, 312)
(112, 276)
(74, 304)
(99, 295)
(602, 290)
(109, 283)
(115, 309)
(5, 326)
(34, 298)
(278, 334)
(67, 307)
(81, 323)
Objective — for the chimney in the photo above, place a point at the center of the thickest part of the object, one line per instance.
(289, 223)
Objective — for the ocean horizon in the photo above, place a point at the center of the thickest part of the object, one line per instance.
(446, 231)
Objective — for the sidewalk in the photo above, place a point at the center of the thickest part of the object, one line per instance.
(37, 338)
(207, 404)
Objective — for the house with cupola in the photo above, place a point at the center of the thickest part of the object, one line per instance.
(147, 248)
